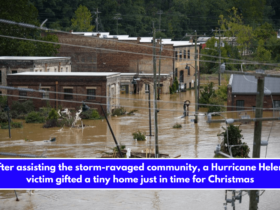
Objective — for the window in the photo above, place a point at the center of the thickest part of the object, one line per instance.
(181, 76)
(22, 95)
(176, 55)
(0, 77)
(68, 94)
(66, 69)
(190, 85)
(46, 95)
(14, 72)
(189, 71)
(48, 70)
(40, 70)
(54, 69)
(0, 93)
(185, 54)
(91, 93)
(276, 104)
(240, 105)
(146, 88)
(180, 55)
(176, 72)
(61, 69)
(189, 54)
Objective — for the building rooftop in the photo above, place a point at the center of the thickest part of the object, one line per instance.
(30, 58)
(247, 84)
(91, 74)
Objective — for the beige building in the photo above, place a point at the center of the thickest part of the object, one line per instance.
(18, 64)
(184, 54)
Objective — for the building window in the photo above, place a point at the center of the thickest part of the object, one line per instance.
(14, 72)
(0, 93)
(176, 55)
(176, 72)
(189, 54)
(180, 55)
(146, 88)
(185, 54)
(61, 69)
(48, 70)
(276, 104)
(40, 70)
(0, 77)
(189, 71)
(190, 85)
(68, 94)
(181, 76)
(240, 105)
(66, 69)
(22, 95)
(54, 69)
(46, 95)
(91, 93)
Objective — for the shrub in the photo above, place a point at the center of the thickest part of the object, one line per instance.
(19, 109)
(139, 136)
(206, 94)
(90, 114)
(3, 117)
(216, 101)
(13, 125)
(222, 92)
(118, 111)
(53, 115)
(95, 114)
(34, 117)
(177, 125)
(3, 102)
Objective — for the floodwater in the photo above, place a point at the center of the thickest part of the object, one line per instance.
(191, 141)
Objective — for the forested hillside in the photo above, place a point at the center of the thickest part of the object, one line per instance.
(179, 16)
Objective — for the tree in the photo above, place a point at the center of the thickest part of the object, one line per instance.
(234, 137)
(82, 20)
(23, 11)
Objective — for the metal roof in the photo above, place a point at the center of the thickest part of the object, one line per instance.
(92, 74)
(30, 58)
(247, 84)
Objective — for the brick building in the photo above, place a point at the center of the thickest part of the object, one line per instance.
(105, 53)
(98, 87)
(142, 81)
(242, 91)
(17, 64)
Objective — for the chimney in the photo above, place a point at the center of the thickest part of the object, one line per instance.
(98, 35)
(138, 39)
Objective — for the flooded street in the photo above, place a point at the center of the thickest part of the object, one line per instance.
(191, 141)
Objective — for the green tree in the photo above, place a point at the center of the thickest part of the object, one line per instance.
(82, 20)
(25, 12)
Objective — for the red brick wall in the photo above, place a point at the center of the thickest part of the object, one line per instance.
(79, 85)
(249, 100)
(91, 59)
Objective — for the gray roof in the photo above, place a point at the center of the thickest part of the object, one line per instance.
(92, 74)
(245, 84)
(30, 58)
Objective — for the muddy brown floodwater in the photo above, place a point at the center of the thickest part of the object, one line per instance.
(191, 141)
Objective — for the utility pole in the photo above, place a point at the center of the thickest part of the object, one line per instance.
(150, 123)
(155, 92)
(96, 20)
(159, 66)
(160, 12)
(254, 197)
(196, 80)
(117, 17)
(219, 57)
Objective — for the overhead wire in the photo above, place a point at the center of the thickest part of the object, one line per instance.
(142, 45)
